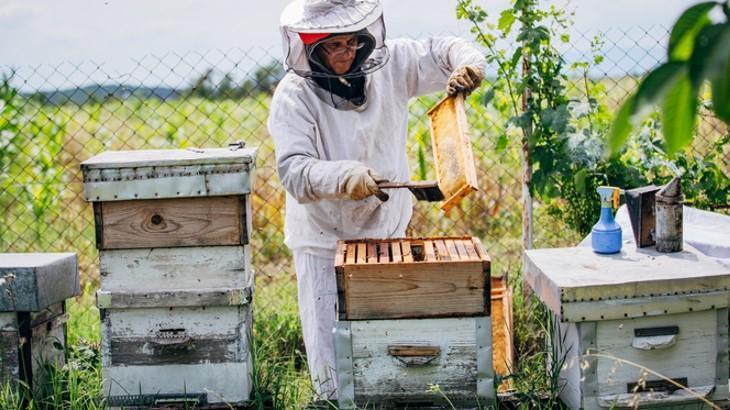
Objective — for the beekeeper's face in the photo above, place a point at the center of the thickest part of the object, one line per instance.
(338, 52)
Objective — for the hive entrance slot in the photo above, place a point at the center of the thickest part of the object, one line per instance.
(418, 252)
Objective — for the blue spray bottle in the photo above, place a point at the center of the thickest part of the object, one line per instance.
(606, 234)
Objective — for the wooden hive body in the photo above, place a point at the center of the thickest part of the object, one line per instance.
(617, 315)
(412, 313)
(412, 278)
(33, 290)
(173, 229)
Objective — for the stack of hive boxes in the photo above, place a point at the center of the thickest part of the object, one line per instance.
(172, 229)
(33, 290)
(413, 313)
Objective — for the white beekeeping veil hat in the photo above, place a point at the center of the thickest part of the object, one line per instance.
(305, 23)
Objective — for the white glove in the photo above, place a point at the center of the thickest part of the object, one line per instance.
(361, 182)
(464, 80)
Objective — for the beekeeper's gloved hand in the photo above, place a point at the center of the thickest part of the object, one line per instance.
(464, 79)
(361, 182)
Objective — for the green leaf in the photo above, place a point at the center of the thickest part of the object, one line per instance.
(650, 92)
(579, 179)
(678, 114)
(712, 49)
(682, 38)
(502, 142)
(488, 96)
(506, 19)
(655, 86)
(621, 126)
(721, 93)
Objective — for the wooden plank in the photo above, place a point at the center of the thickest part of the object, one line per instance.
(567, 275)
(470, 250)
(443, 252)
(429, 250)
(502, 341)
(435, 289)
(362, 253)
(481, 252)
(175, 268)
(149, 351)
(372, 252)
(244, 219)
(383, 252)
(169, 158)
(340, 253)
(351, 253)
(463, 255)
(174, 298)
(413, 350)
(38, 280)
(451, 246)
(407, 255)
(693, 356)
(377, 376)
(199, 322)
(396, 251)
(171, 223)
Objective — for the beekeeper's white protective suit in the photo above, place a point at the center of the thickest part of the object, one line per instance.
(320, 138)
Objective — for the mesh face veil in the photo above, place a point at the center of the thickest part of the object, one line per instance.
(309, 17)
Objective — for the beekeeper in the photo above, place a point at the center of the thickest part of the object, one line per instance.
(339, 122)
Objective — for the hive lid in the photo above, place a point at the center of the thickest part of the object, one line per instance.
(634, 282)
(179, 173)
(30, 282)
(169, 158)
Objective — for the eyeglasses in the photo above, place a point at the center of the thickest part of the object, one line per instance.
(337, 47)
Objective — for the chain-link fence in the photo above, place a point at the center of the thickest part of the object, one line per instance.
(56, 116)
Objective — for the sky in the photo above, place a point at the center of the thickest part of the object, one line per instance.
(118, 33)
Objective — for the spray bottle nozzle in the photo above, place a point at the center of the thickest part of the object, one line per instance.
(610, 196)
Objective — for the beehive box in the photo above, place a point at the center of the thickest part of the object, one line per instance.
(617, 314)
(173, 228)
(412, 278)
(413, 313)
(33, 288)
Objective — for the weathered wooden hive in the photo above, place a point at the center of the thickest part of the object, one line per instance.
(413, 313)
(33, 290)
(622, 319)
(172, 228)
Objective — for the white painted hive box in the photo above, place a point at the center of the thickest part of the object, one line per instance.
(33, 290)
(173, 228)
(413, 312)
(664, 312)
